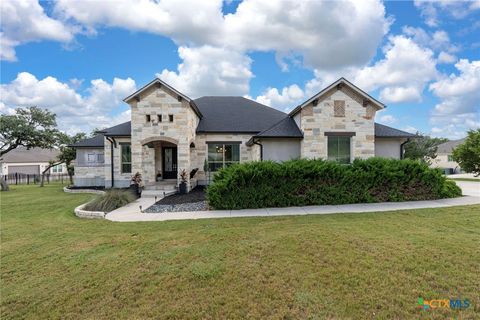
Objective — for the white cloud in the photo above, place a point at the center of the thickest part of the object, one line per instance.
(431, 10)
(444, 57)
(284, 100)
(410, 129)
(387, 119)
(327, 34)
(459, 107)
(210, 71)
(25, 21)
(185, 21)
(437, 40)
(75, 112)
(402, 74)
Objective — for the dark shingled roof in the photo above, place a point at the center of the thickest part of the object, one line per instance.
(235, 114)
(239, 115)
(123, 129)
(21, 154)
(95, 142)
(286, 128)
(383, 131)
(447, 147)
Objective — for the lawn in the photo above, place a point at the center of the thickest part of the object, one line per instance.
(343, 266)
(465, 179)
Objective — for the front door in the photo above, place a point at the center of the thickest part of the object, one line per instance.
(169, 162)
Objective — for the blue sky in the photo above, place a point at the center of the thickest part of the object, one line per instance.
(80, 59)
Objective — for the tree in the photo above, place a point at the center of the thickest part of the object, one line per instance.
(468, 153)
(30, 127)
(423, 148)
(68, 154)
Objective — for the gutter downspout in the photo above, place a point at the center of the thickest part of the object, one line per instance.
(261, 148)
(402, 148)
(112, 144)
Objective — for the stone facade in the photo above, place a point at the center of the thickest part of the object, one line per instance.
(162, 117)
(316, 120)
(121, 179)
(146, 128)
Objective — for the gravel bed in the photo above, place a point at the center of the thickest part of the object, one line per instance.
(189, 206)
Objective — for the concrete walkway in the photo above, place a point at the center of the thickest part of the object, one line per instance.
(131, 212)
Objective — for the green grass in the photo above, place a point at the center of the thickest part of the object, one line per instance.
(344, 266)
(464, 179)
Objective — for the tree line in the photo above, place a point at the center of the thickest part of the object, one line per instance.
(34, 127)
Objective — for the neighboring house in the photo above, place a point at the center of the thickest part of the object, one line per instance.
(169, 132)
(444, 157)
(33, 161)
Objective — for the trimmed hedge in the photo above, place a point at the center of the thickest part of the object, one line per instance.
(318, 182)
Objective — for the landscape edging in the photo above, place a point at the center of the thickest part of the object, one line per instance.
(79, 211)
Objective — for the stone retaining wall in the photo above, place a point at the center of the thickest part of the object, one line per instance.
(79, 212)
(67, 190)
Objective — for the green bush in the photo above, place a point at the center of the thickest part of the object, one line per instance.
(111, 200)
(318, 182)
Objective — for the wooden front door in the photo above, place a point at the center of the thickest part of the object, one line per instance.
(169, 162)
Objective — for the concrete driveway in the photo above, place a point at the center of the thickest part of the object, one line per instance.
(469, 188)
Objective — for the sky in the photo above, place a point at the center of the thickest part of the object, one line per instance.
(79, 59)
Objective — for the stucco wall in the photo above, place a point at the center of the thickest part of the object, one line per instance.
(316, 120)
(441, 161)
(388, 148)
(280, 149)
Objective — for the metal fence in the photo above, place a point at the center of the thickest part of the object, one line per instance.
(23, 178)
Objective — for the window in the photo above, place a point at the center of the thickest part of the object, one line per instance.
(222, 155)
(100, 158)
(339, 108)
(159, 118)
(450, 158)
(147, 118)
(91, 158)
(57, 169)
(339, 149)
(170, 117)
(126, 158)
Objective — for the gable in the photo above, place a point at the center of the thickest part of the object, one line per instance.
(158, 85)
(349, 89)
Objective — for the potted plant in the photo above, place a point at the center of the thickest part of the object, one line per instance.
(183, 182)
(159, 176)
(136, 184)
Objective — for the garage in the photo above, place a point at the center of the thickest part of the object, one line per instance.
(25, 169)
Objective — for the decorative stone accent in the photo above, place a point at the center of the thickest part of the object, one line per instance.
(339, 108)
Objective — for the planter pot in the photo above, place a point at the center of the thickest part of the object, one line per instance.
(183, 188)
(136, 190)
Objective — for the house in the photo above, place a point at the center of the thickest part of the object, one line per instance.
(170, 132)
(444, 157)
(33, 161)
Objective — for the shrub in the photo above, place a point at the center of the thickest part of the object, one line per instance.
(111, 200)
(318, 182)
